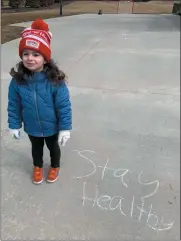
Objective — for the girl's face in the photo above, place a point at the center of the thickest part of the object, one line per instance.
(33, 61)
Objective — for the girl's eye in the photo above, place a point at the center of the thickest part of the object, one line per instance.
(35, 54)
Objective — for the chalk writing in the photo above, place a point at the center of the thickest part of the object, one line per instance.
(88, 159)
(147, 184)
(99, 200)
(142, 211)
(118, 202)
(132, 206)
(118, 173)
(166, 225)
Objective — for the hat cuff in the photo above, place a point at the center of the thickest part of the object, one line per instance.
(42, 49)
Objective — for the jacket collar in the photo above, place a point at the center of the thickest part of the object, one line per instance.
(36, 77)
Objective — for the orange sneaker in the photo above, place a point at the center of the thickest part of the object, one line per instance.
(37, 175)
(53, 174)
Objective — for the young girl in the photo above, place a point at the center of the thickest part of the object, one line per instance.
(39, 98)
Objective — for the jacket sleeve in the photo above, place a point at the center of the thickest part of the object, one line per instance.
(14, 107)
(63, 108)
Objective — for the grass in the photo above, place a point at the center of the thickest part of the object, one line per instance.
(9, 33)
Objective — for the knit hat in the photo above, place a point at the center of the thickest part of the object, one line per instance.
(37, 38)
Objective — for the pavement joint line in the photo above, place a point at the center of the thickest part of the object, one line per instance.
(119, 90)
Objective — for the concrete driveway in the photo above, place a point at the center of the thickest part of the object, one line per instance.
(120, 177)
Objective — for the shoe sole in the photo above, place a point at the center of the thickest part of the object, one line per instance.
(37, 182)
(51, 181)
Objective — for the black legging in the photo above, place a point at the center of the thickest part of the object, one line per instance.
(37, 150)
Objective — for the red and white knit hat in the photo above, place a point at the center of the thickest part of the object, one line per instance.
(37, 38)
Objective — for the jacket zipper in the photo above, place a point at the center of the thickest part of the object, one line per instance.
(37, 108)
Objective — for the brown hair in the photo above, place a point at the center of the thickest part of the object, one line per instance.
(51, 70)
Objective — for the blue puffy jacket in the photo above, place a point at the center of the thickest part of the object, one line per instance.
(43, 107)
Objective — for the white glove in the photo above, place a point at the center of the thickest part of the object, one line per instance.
(63, 137)
(15, 133)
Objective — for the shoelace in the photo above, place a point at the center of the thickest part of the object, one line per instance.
(53, 170)
(37, 171)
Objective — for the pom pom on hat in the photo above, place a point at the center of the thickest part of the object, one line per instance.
(37, 38)
(40, 24)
